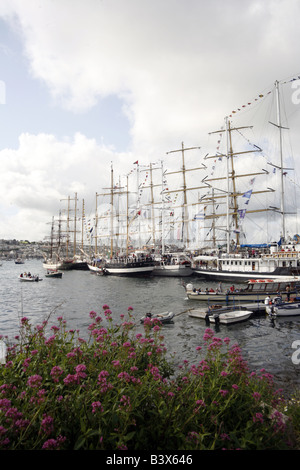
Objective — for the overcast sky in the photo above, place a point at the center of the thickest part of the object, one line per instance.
(87, 83)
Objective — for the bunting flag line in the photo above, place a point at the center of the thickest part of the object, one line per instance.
(247, 194)
(242, 213)
(258, 98)
(292, 79)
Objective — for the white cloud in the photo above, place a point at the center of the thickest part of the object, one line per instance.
(42, 171)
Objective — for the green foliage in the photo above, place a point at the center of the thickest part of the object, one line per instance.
(116, 390)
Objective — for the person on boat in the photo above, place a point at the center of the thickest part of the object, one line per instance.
(268, 300)
(288, 292)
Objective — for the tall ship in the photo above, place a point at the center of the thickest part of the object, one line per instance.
(240, 262)
(123, 261)
(63, 251)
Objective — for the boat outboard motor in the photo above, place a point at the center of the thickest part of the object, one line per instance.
(217, 318)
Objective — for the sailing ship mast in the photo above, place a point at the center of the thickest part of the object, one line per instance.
(232, 176)
(281, 168)
(184, 189)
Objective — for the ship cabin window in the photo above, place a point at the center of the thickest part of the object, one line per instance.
(264, 287)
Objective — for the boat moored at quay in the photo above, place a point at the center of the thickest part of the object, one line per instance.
(255, 291)
(130, 266)
(272, 261)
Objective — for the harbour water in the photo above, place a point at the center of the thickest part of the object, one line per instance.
(265, 343)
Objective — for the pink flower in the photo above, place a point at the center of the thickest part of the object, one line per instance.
(256, 395)
(34, 381)
(47, 425)
(50, 340)
(56, 372)
(80, 371)
(124, 376)
(258, 418)
(200, 403)
(2, 430)
(125, 402)
(96, 405)
(52, 444)
(70, 379)
(208, 334)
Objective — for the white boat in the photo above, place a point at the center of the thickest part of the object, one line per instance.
(204, 313)
(283, 309)
(27, 277)
(164, 317)
(173, 265)
(53, 273)
(233, 316)
(272, 261)
(256, 291)
(97, 268)
(50, 264)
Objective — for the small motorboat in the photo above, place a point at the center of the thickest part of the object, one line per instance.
(164, 317)
(53, 273)
(230, 317)
(102, 272)
(277, 308)
(27, 277)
